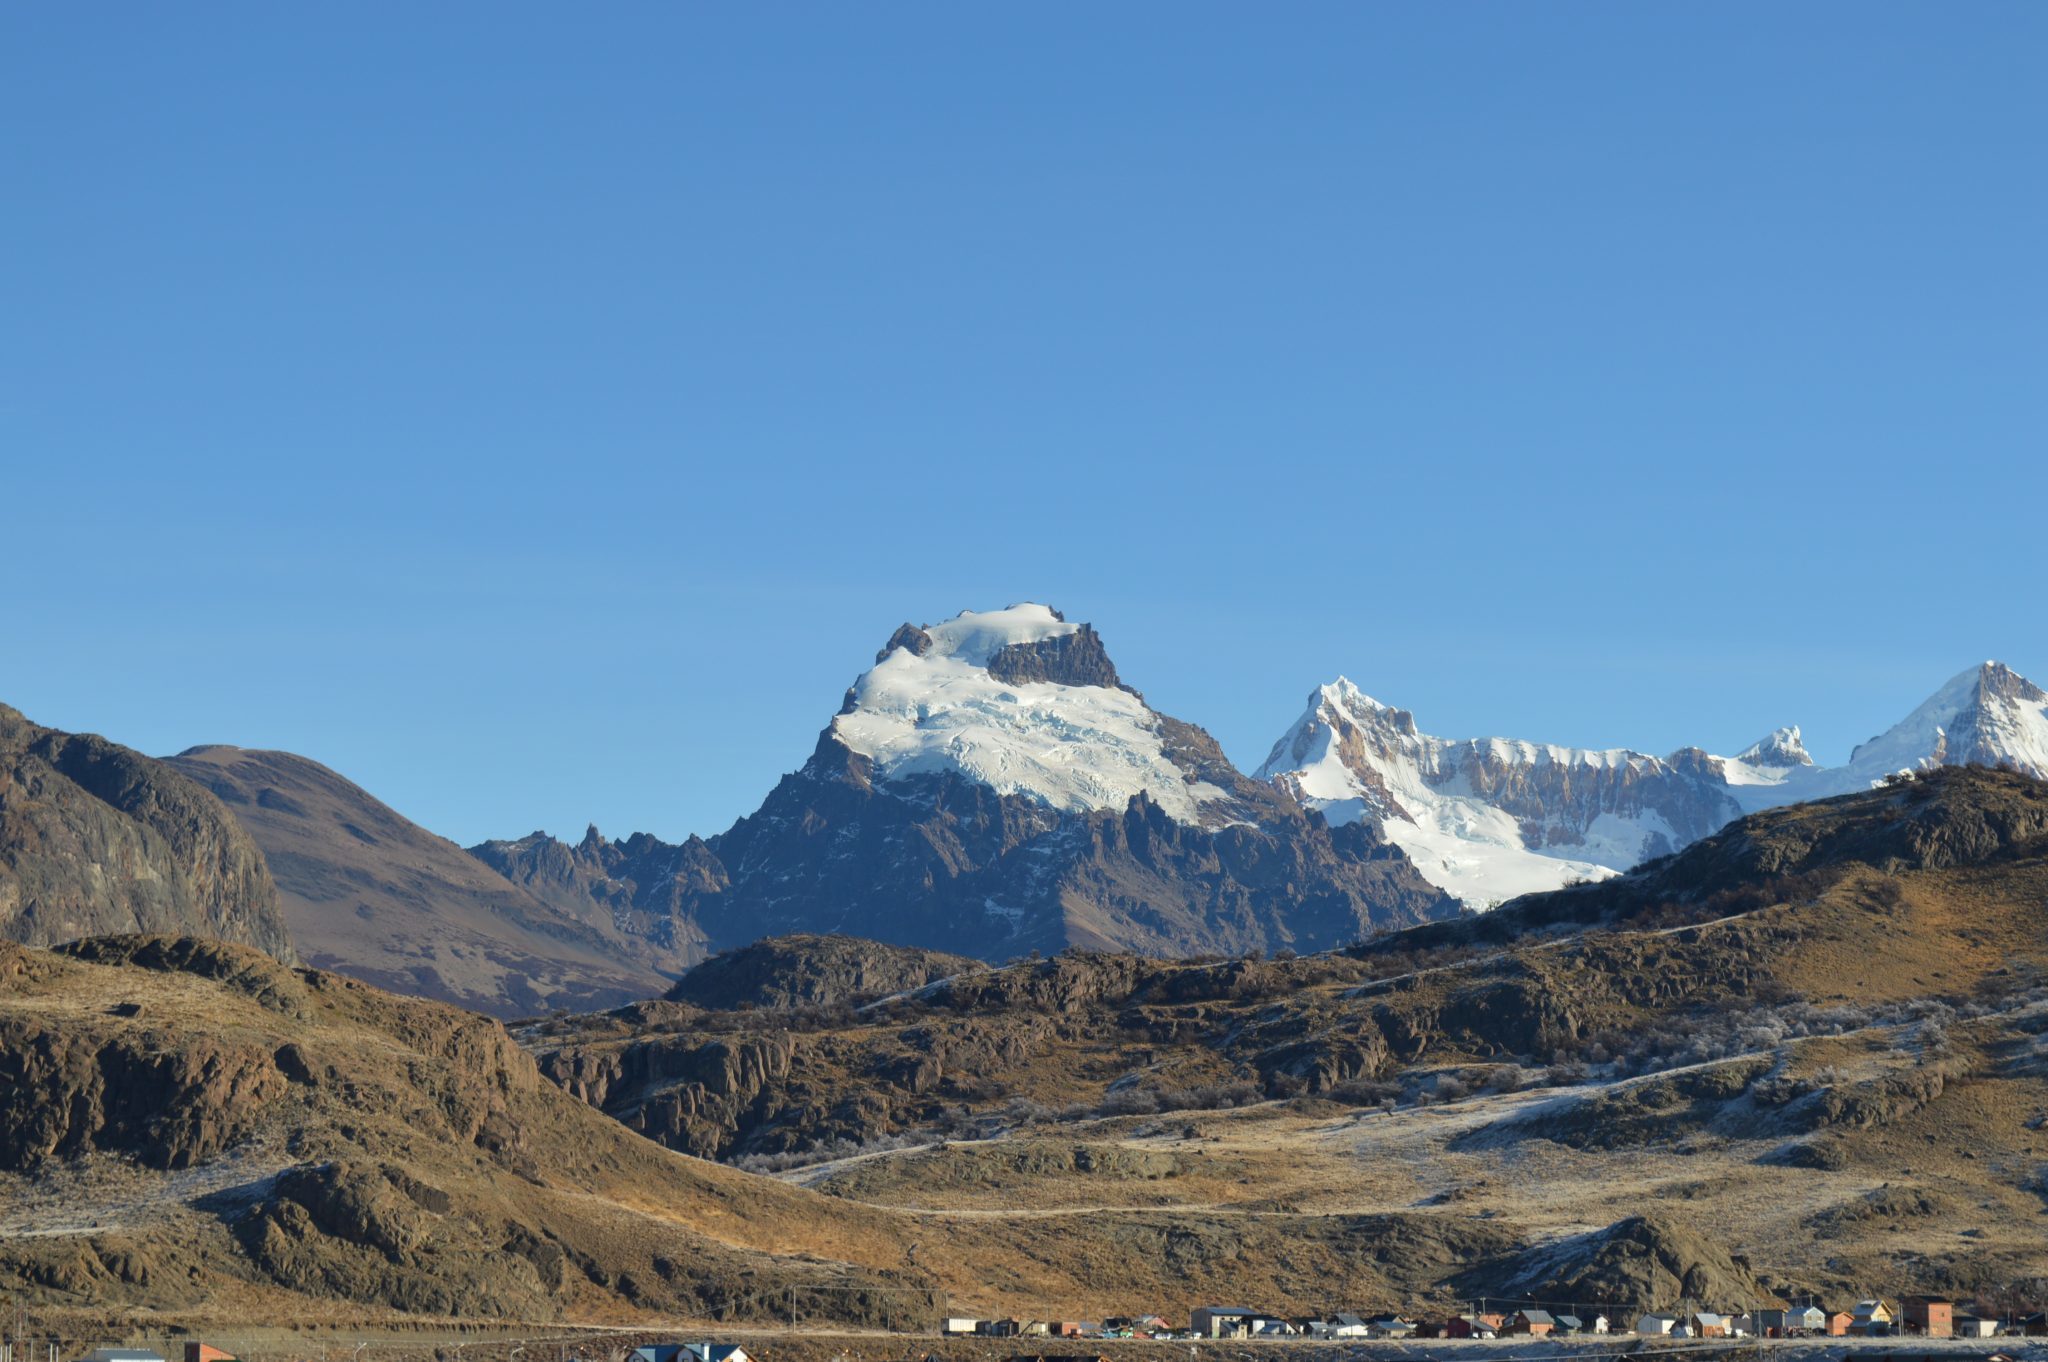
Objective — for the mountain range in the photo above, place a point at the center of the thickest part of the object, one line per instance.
(990, 786)
(1488, 819)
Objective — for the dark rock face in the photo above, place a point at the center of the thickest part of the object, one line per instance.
(949, 864)
(95, 838)
(1076, 659)
(817, 971)
(649, 888)
(906, 636)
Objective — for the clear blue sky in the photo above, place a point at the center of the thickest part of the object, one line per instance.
(541, 413)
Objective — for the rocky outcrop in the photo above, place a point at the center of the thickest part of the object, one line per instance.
(1646, 1262)
(95, 838)
(194, 1121)
(1076, 659)
(818, 971)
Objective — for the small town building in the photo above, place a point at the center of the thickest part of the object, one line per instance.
(1223, 1321)
(1707, 1324)
(1388, 1326)
(1531, 1323)
(1934, 1316)
(124, 1355)
(1074, 1328)
(1840, 1322)
(1340, 1325)
(1969, 1325)
(1656, 1326)
(1471, 1326)
(1871, 1319)
(1792, 1323)
(1001, 1328)
(200, 1352)
(955, 1324)
(715, 1352)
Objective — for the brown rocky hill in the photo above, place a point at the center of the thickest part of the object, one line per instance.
(797, 971)
(192, 1126)
(1812, 1030)
(371, 894)
(197, 1133)
(96, 838)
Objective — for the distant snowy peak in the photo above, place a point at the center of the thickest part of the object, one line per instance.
(1487, 819)
(1987, 716)
(1782, 748)
(1020, 700)
(1488, 816)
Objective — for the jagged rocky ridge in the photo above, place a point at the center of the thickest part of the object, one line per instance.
(96, 838)
(992, 787)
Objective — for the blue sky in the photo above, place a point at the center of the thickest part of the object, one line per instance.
(541, 415)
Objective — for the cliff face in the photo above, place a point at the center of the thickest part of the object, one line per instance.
(95, 838)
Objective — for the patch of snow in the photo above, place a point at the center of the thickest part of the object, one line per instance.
(1073, 748)
(1416, 788)
(1355, 758)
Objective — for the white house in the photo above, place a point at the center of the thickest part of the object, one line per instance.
(1657, 1326)
(1340, 1326)
(715, 1352)
(1972, 1326)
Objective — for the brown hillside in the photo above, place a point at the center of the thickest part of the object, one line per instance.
(96, 838)
(373, 895)
(1765, 1031)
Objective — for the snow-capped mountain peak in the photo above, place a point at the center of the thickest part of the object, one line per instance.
(1985, 716)
(1019, 700)
(973, 637)
(1487, 815)
(1781, 747)
(1488, 818)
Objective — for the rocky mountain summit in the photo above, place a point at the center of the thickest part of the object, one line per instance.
(96, 838)
(1490, 818)
(990, 787)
